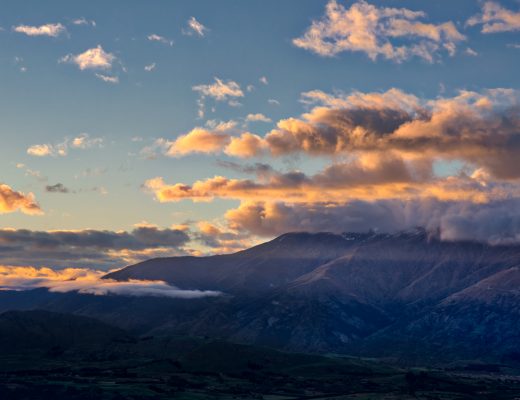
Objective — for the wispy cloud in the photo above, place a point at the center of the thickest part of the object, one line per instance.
(470, 52)
(396, 34)
(149, 67)
(495, 18)
(53, 30)
(161, 39)
(32, 173)
(108, 78)
(220, 91)
(82, 141)
(84, 21)
(257, 118)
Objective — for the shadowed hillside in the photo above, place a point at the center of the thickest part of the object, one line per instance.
(105, 363)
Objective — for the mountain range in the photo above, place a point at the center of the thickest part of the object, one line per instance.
(407, 296)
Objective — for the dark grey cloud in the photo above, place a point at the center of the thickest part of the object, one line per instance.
(57, 188)
(259, 169)
(88, 248)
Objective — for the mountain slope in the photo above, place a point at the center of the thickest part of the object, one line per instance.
(263, 267)
(407, 295)
(326, 292)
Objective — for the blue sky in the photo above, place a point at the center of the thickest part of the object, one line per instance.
(47, 100)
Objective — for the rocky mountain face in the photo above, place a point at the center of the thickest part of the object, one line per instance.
(407, 295)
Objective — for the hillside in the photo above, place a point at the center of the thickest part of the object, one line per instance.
(121, 365)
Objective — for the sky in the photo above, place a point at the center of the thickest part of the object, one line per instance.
(138, 129)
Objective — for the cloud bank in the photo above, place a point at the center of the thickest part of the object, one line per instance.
(384, 151)
(497, 222)
(89, 248)
(478, 128)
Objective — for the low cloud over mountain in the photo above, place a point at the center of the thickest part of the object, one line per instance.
(88, 281)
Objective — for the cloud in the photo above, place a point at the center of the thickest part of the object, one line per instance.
(220, 90)
(495, 18)
(53, 30)
(194, 27)
(32, 173)
(82, 142)
(88, 247)
(88, 281)
(161, 39)
(208, 139)
(94, 58)
(481, 129)
(369, 177)
(108, 78)
(198, 140)
(395, 34)
(12, 200)
(221, 240)
(263, 80)
(42, 150)
(257, 118)
(496, 222)
(261, 170)
(382, 151)
(245, 146)
(159, 146)
(84, 21)
(149, 67)
(470, 52)
(57, 188)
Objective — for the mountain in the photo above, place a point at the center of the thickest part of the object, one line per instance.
(327, 292)
(261, 268)
(408, 296)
